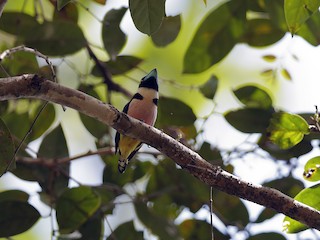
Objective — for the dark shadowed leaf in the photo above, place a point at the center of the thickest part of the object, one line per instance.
(56, 38)
(112, 36)
(147, 15)
(210, 87)
(6, 148)
(16, 217)
(249, 120)
(62, 3)
(215, 37)
(211, 154)
(299, 11)
(174, 112)
(18, 124)
(309, 196)
(67, 13)
(92, 229)
(198, 229)
(267, 236)
(14, 195)
(167, 32)
(162, 227)
(261, 32)
(253, 97)
(266, 214)
(275, 9)
(120, 65)
(287, 130)
(18, 24)
(75, 206)
(288, 185)
(122, 232)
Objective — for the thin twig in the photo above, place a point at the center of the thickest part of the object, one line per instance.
(211, 213)
(2, 4)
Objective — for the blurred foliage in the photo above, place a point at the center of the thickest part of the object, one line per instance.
(59, 33)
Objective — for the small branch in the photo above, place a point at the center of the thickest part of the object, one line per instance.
(31, 86)
(107, 79)
(2, 4)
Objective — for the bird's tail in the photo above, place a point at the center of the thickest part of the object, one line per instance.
(122, 164)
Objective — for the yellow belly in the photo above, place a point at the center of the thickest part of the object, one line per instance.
(127, 145)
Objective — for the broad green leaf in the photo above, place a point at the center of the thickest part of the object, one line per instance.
(309, 196)
(56, 38)
(18, 24)
(122, 232)
(62, 3)
(162, 227)
(18, 124)
(167, 32)
(75, 206)
(249, 120)
(269, 58)
(118, 66)
(309, 30)
(198, 229)
(261, 32)
(275, 11)
(14, 195)
(311, 169)
(216, 36)
(298, 12)
(173, 112)
(253, 97)
(147, 15)
(210, 87)
(287, 130)
(211, 154)
(267, 236)
(6, 148)
(69, 12)
(16, 217)
(287, 185)
(112, 36)
(266, 214)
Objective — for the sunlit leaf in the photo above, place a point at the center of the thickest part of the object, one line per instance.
(6, 148)
(210, 87)
(249, 120)
(62, 3)
(75, 206)
(286, 74)
(309, 30)
(253, 97)
(299, 11)
(16, 217)
(174, 112)
(112, 36)
(269, 58)
(216, 36)
(120, 65)
(287, 129)
(122, 232)
(311, 169)
(147, 15)
(167, 32)
(309, 196)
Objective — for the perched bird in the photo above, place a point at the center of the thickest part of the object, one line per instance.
(142, 106)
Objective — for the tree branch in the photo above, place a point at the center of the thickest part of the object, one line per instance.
(32, 86)
(2, 4)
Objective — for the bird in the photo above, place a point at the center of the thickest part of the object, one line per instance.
(144, 107)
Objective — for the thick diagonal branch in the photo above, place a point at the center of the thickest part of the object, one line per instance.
(31, 86)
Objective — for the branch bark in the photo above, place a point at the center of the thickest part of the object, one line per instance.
(2, 4)
(32, 86)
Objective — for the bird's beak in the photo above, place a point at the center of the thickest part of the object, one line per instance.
(151, 74)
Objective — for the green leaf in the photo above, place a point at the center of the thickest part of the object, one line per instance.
(276, 13)
(309, 196)
(102, 2)
(216, 36)
(167, 32)
(152, 221)
(311, 169)
(14, 195)
(62, 3)
(269, 58)
(286, 74)
(93, 228)
(147, 15)
(56, 38)
(210, 87)
(267, 236)
(309, 30)
(249, 120)
(299, 11)
(112, 36)
(287, 130)
(261, 32)
(17, 123)
(19, 24)
(212, 155)
(118, 66)
(75, 206)
(267, 213)
(173, 112)
(6, 148)
(253, 97)
(122, 232)
(16, 217)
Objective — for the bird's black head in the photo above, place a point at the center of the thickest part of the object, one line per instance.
(150, 80)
